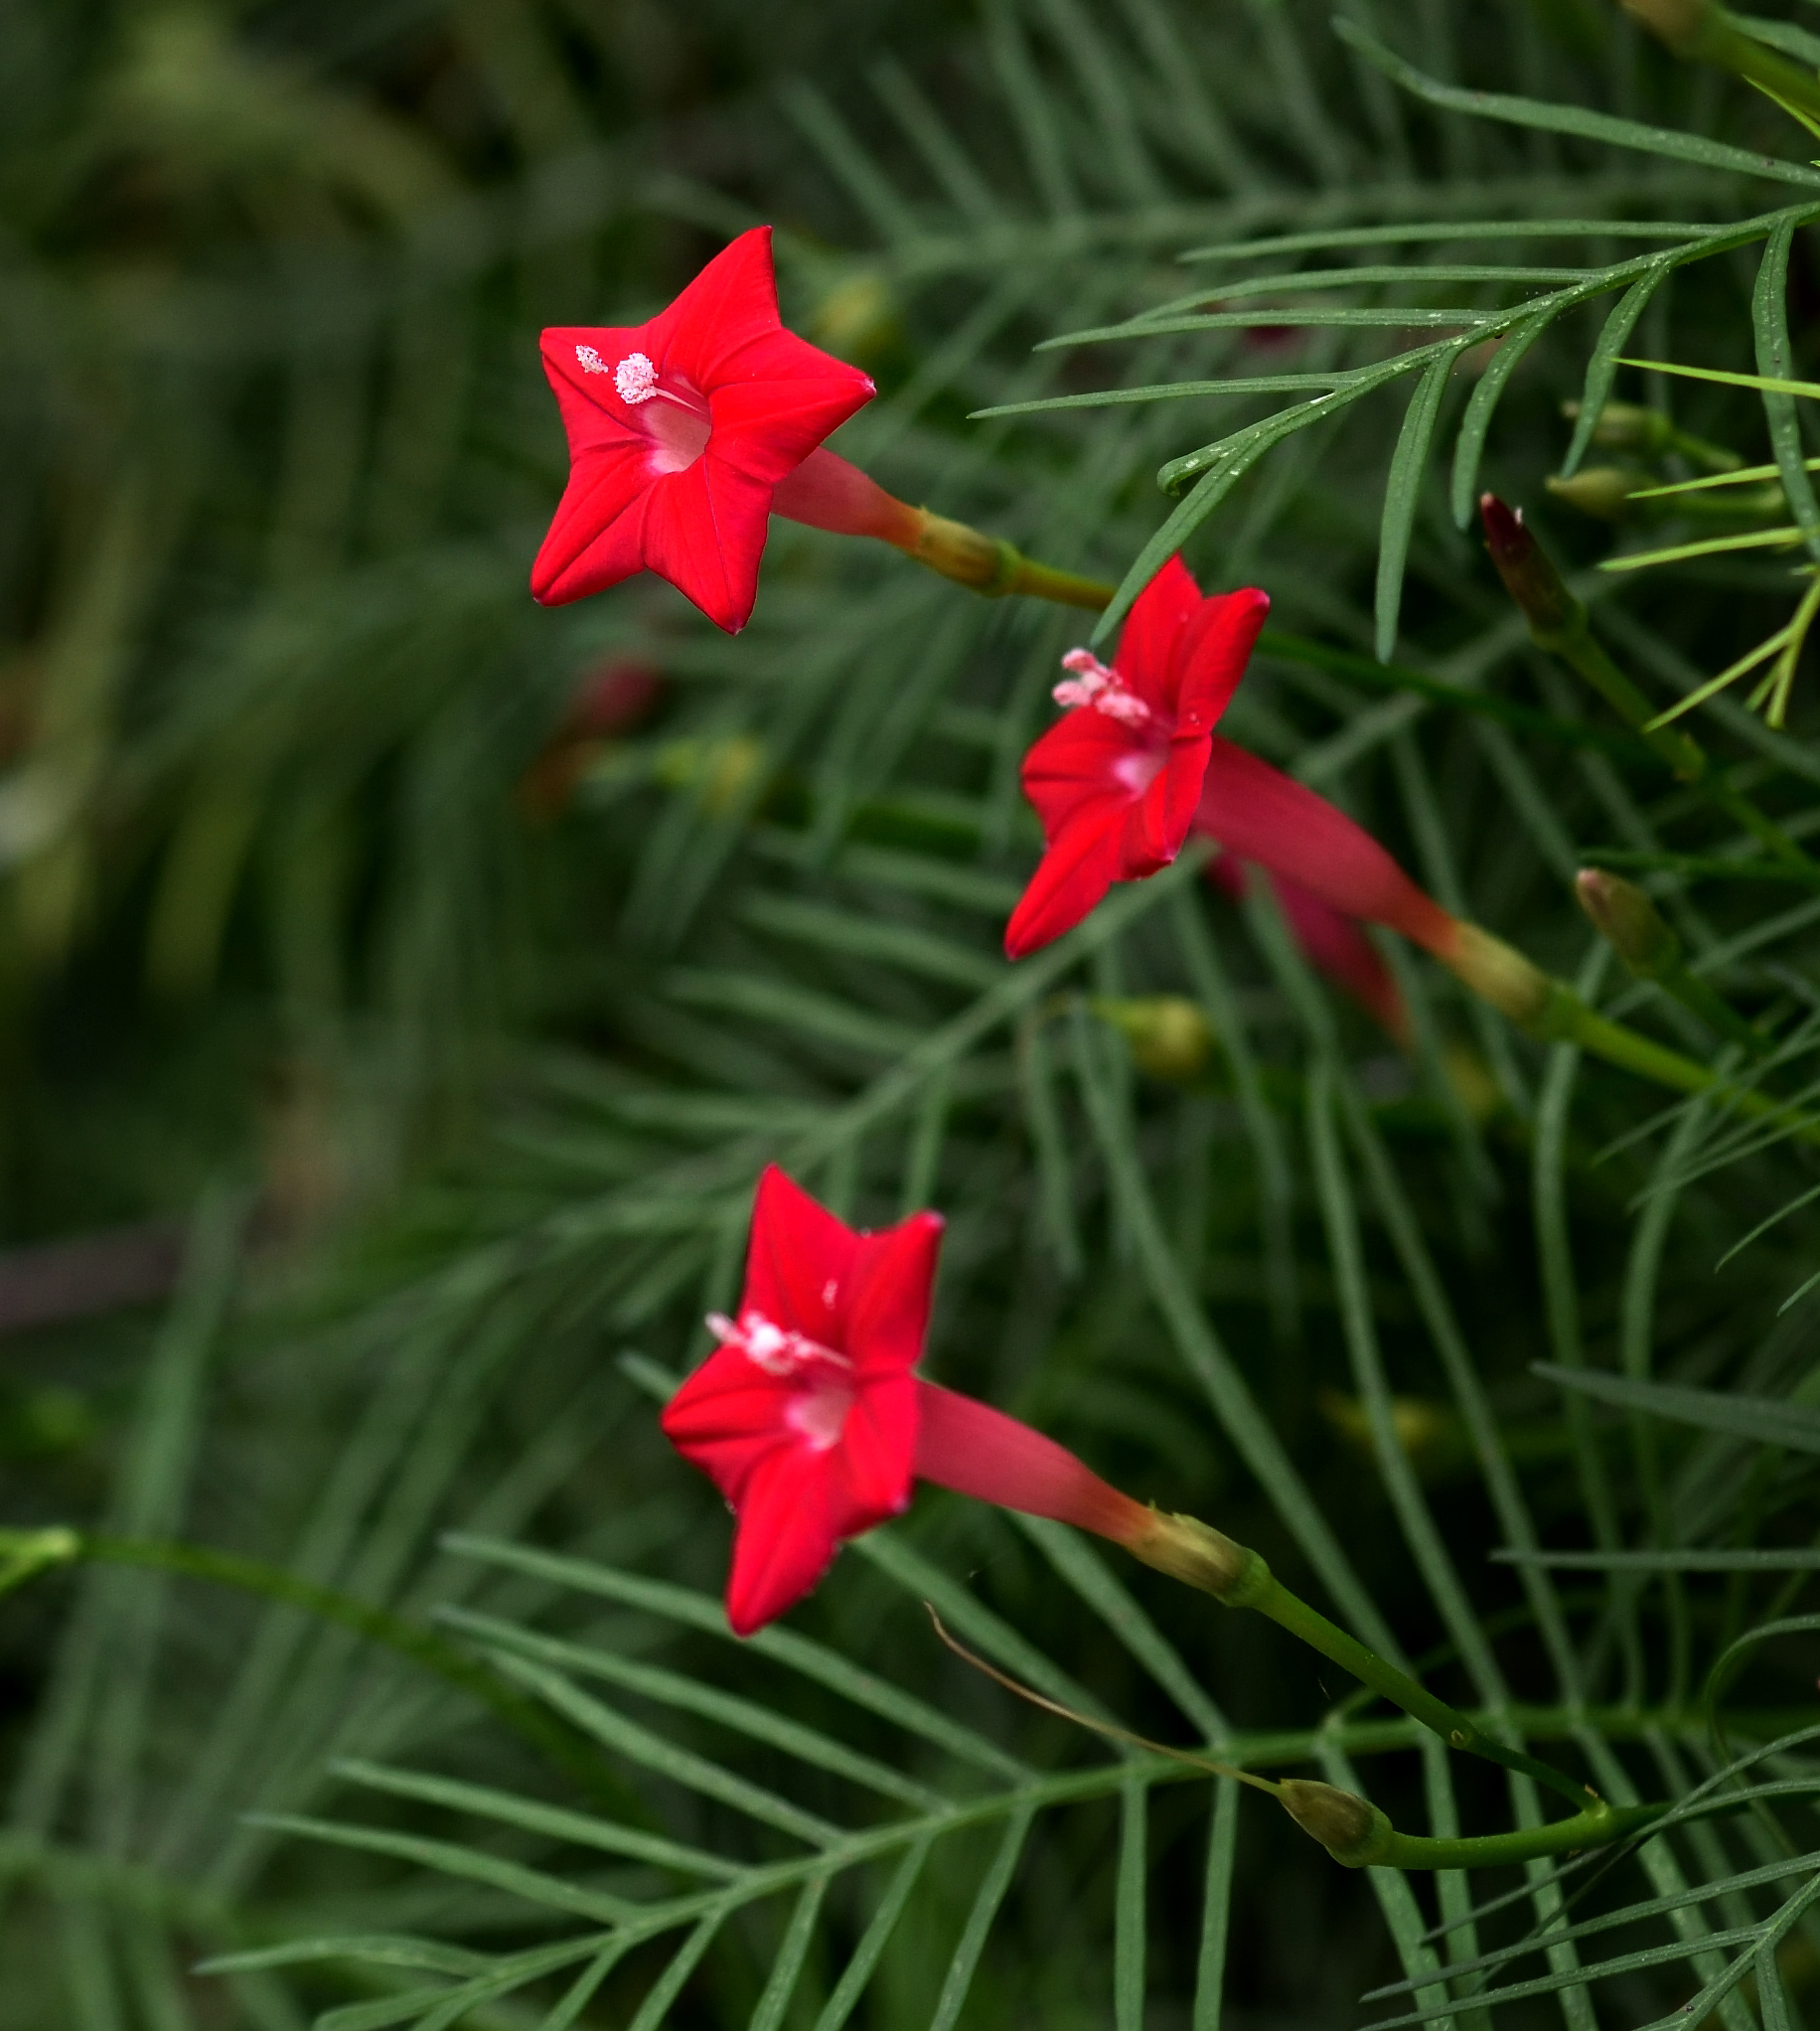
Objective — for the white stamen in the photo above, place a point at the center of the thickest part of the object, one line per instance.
(635, 378)
(591, 362)
(1124, 707)
(777, 1349)
(1102, 689)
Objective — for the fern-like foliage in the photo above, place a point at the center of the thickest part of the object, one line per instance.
(1499, 1354)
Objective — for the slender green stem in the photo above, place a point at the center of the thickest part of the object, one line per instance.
(1238, 1577)
(1288, 1611)
(1701, 999)
(1570, 1020)
(1599, 1826)
(1355, 1832)
(1576, 644)
(1042, 581)
(26, 1554)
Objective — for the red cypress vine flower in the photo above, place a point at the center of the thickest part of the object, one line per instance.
(810, 1420)
(1117, 782)
(1136, 767)
(681, 432)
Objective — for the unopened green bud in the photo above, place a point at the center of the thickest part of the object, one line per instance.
(1600, 491)
(720, 772)
(1626, 427)
(1684, 24)
(1629, 923)
(1169, 1037)
(857, 317)
(24, 1554)
(1648, 434)
(1352, 1831)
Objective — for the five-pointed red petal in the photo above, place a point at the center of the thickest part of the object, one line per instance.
(1116, 798)
(749, 398)
(819, 1444)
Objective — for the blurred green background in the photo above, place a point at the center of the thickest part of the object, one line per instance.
(414, 980)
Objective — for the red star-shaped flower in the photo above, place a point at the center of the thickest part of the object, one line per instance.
(1117, 783)
(679, 431)
(810, 1421)
(806, 1418)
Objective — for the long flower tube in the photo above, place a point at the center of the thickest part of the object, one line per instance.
(810, 1419)
(1134, 768)
(687, 432)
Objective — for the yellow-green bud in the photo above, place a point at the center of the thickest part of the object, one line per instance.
(1602, 491)
(1497, 973)
(984, 563)
(1169, 1037)
(1352, 1831)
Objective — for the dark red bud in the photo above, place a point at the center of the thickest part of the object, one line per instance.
(1505, 537)
(1528, 573)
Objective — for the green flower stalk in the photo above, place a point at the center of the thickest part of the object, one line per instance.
(1355, 1832)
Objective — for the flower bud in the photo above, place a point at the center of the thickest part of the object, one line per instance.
(1629, 923)
(1169, 1037)
(720, 772)
(1528, 572)
(1600, 491)
(24, 1554)
(1627, 426)
(1352, 1831)
(1681, 24)
(858, 318)
(1200, 1556)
